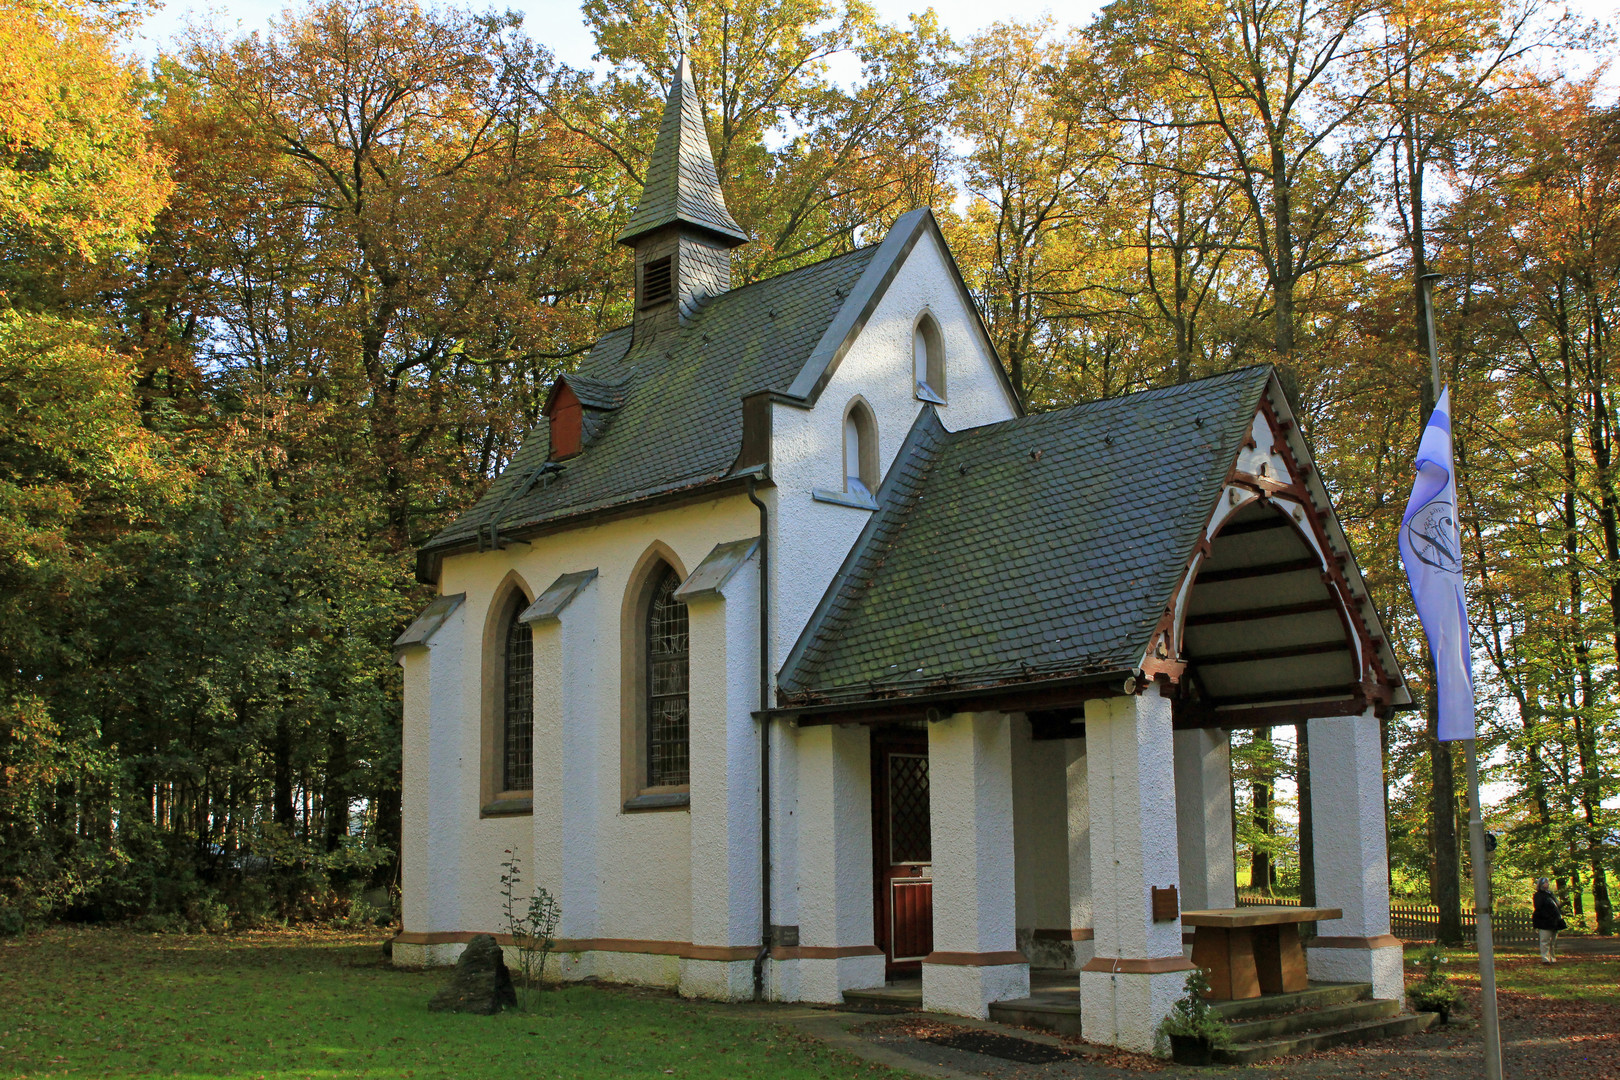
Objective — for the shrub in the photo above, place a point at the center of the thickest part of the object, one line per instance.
(1192, 1017)
(1435, 993)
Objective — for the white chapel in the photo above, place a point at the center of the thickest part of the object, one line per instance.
(795, 659)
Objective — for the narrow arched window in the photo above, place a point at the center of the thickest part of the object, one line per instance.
(928, 360)
(669, 644)
(517, 753)
(860, 450)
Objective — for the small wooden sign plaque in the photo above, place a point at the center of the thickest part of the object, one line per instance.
(1166, 905)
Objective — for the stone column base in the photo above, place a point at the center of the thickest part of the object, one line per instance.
(965, 984)
(797, 974)
(1377, 960)
(1123, 1007)
(718, 980)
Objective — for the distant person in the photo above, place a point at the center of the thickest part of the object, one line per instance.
(1547, 919)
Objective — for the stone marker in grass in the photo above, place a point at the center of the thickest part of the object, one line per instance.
(481, 983)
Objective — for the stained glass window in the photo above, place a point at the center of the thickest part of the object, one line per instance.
(668, 685)
(518, 751)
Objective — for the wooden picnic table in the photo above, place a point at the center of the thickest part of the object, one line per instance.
(1249, 951)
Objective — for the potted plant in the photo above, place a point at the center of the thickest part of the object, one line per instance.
(1195, 1031)
(1435, 993)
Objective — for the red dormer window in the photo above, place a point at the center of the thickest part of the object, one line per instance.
(567, 422)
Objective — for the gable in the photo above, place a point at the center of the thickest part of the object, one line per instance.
(889, 261)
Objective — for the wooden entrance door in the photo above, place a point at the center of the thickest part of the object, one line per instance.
(902, 849)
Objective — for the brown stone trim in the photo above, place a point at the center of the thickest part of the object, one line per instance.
(975, 959)
(683, 949)
(1156, 966)
(822, 952)
(446, 937)
(1079, 933)
(1381, 941)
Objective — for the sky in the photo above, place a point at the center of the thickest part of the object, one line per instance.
(559, 25)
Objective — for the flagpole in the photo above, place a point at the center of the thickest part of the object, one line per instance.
(1476, 825)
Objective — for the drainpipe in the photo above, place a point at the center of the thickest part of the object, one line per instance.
(764, 744)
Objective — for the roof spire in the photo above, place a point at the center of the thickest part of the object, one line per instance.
(681, 183)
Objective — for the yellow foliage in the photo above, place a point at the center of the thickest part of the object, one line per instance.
(76, 168)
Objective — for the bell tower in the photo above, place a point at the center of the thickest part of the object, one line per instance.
(681, 231)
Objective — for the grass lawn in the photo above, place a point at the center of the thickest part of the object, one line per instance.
(276, 1006)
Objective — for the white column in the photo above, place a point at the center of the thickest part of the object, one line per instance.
(1204, 818)
(1138, 971)
(432, 817)
(832, 889)
(1352, 862)
(724, 748)
(569, 715)
(1081, 927)
(975, 960)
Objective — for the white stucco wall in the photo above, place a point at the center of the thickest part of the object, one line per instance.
(641, 877)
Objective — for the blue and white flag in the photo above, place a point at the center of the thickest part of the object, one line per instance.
(1431, 548)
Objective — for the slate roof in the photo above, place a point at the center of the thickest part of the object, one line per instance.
(676, 402)
(681, 184)
(984, 564)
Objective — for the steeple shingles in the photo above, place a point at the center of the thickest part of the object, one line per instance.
(682, 186)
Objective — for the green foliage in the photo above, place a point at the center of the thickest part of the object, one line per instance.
(1435, 992)
(1192, 1017)
(532, 924)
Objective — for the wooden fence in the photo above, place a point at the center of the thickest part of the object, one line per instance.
(1420, 922)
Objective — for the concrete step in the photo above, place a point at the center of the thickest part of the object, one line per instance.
(1310, 1042)
(1062, 1017)
(1328, 1016)
(1316, 996)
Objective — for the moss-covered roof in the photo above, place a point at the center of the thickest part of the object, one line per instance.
(1040, 547)
(676, 401)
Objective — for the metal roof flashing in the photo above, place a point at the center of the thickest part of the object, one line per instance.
(717, 568)
(425, 625)
(549, 605)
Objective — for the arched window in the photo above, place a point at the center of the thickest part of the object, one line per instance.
(860, 450)
(517, 709)
(669, 646)
(928, 360)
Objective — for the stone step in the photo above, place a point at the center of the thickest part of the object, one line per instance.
(1316, 996)
(903, 998)
(1329, 1016)
(1062, 1017)
(1366, 1031)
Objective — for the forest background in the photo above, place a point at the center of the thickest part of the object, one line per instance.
(275, 307)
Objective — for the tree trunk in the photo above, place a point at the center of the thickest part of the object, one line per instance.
(281, 799)
(1447, 884)
(335, 800)
(1261, 871)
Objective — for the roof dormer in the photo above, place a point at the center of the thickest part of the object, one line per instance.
(578, 410)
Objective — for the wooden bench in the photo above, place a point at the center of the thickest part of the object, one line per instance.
(1249, 951)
